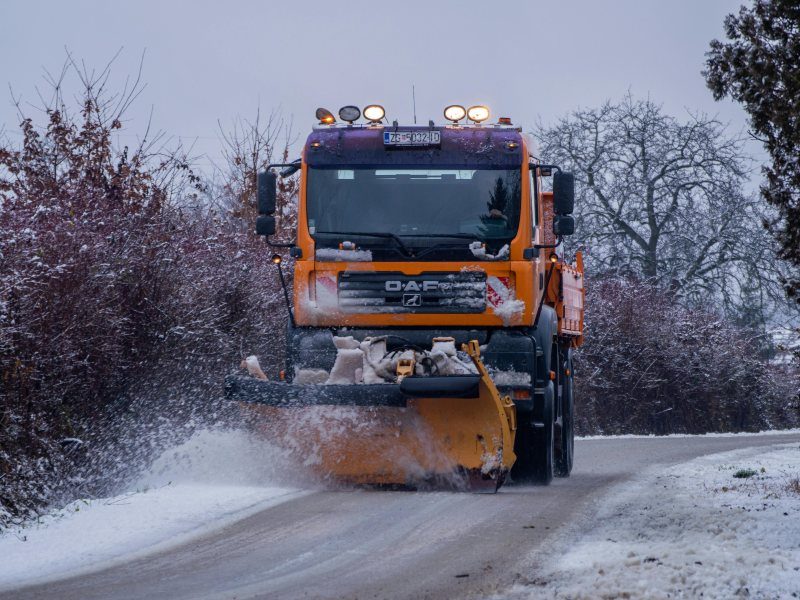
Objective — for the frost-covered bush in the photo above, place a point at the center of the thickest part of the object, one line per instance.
(120, 313)
(652, 365)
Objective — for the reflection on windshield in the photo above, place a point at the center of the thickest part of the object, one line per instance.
(483, 203)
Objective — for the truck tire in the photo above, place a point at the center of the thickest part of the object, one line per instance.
(565, 429)
(543, 444)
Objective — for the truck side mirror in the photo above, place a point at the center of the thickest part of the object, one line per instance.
(265, 225)
(564, 225)
(267, 192)
(563, 193)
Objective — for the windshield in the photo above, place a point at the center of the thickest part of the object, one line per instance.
(479, 203)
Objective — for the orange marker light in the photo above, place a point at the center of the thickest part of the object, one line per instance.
(325, 116)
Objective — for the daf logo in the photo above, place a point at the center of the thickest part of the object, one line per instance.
(394, 285)
(412, 299)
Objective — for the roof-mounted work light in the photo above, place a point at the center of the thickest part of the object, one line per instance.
(325, 117)
(374, 113)
(478, 114)
(349, 113)
(455, 112)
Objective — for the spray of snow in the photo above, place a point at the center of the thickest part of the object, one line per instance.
(213, 479)
(329, 439)
(511, 378)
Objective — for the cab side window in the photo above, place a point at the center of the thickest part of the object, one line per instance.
(534, 204)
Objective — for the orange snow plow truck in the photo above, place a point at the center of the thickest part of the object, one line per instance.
(433, 317)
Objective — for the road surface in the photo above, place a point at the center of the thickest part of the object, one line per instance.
(391, 544)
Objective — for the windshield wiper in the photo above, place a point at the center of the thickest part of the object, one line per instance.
(378, 234)
(428, 249)
(459, 236)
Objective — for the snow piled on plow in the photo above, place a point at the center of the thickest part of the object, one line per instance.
(214, 478)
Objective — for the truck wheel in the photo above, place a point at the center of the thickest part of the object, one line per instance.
(534, 447)
(565, 431)
(543, 444)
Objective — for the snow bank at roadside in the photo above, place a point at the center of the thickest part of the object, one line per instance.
(211, 480)
(721, 526)
(633, 436)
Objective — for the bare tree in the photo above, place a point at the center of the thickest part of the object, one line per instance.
(665, 200)
(248, 147)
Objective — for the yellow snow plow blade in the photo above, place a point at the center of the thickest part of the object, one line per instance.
(454, 431)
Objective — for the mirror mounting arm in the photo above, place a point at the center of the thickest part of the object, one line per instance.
(546, 170)
(289, 168)
(281, 244)
(559, 239)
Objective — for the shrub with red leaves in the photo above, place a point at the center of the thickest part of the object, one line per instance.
(120, 312)
(651, 364)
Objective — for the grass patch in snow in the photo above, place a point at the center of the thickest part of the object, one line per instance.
(744, 473)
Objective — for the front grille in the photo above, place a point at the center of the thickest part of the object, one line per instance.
(463, 292)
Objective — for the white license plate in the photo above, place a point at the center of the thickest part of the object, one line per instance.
(412, 138)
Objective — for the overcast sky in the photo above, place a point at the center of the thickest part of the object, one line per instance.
(209, 61)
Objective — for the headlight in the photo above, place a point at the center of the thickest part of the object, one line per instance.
(374, 113)
(349, 113)
(478, 113)
(455, 112)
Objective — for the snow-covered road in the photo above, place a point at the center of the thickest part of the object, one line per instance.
(218, 521)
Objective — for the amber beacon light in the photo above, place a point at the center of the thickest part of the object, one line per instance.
(325, 117)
